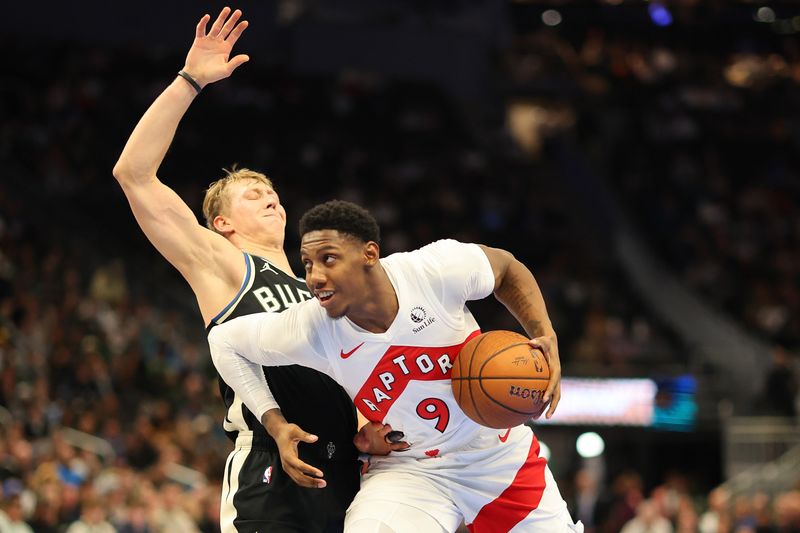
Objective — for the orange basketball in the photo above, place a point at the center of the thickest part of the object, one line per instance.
(499, 379)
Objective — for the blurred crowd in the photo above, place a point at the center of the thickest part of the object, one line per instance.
(82, 359)
(696, 130)
(674, 506)
(100, 338)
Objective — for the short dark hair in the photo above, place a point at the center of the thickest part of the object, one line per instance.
(344, 217)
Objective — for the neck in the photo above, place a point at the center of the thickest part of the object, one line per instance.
(378, 311)
(274, 253)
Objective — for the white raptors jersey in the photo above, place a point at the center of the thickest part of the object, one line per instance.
(400, 377)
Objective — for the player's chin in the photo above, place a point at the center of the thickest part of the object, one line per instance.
(335, 312)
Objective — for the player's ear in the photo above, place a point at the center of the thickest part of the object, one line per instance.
(222, 224)
(372, 252)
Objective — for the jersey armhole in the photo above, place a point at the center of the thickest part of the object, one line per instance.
(247, 283)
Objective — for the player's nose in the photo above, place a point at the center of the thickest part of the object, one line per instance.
(315, 277)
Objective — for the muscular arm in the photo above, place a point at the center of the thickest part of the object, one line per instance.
(163, 216)
(211, 265)
(516, 288)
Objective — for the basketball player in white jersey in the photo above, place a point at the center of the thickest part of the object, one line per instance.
(236, 266)
(388, 331)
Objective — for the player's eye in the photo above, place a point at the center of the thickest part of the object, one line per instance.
(307, 265)
(328, 259)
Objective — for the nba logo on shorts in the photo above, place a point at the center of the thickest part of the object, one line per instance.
(267, 475)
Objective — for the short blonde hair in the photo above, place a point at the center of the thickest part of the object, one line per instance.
(217, 201)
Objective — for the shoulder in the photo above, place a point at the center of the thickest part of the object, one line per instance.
(447, 247)
(442, 250)
(450, 254)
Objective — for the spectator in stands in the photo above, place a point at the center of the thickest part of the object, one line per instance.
(787, 512)
(713, 519)
(583, 503)
(11, 515)
(93, 518)
(647, 520)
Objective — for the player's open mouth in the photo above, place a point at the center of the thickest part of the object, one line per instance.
(324, 297)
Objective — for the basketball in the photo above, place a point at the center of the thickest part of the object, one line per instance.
(499, 379)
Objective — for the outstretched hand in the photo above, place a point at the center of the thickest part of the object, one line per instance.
(287, 436)
(549, 347)
(209, 58)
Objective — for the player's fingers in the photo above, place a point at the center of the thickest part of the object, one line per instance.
(297, 433)
(554, 403)
(554, 383)
(307, 481)
(234, 35)
(237, 32)
(304, 468)
(362, 443)
(369, 437)
(229, 24)
(542, 344)
(215, 29)
(200, 30)
(393, 437)
(400, 446)
(238, 61)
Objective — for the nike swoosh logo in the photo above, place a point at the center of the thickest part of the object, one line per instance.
(345, 355)
(504, 438)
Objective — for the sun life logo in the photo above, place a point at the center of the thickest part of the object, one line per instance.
(420, 317)
(418, 314)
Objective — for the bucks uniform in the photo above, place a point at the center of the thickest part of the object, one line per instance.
(455, 469)
(257, 495)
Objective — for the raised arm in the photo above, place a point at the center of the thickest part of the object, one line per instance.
(207, 260)
(516, 288)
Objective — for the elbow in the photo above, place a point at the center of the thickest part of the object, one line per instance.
(503, 264)
(121, 172)
(508, 258)
(127, 174)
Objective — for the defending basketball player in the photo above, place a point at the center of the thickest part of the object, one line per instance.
(238, 266)
(388, 330)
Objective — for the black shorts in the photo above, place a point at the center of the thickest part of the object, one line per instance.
(259, 497)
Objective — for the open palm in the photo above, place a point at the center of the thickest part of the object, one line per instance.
(209, 58)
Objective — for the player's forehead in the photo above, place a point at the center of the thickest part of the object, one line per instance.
(318, 241)
(245, 185)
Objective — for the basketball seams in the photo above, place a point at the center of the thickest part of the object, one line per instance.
(480, 378)
(488, 396)
(460, 384)
(482, 395)
(499, 352)
(469, 373)
(492, 378)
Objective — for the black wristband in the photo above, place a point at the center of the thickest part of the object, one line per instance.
(190, 79)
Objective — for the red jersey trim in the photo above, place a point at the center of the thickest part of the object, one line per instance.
(397, 368)
(517, 500)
